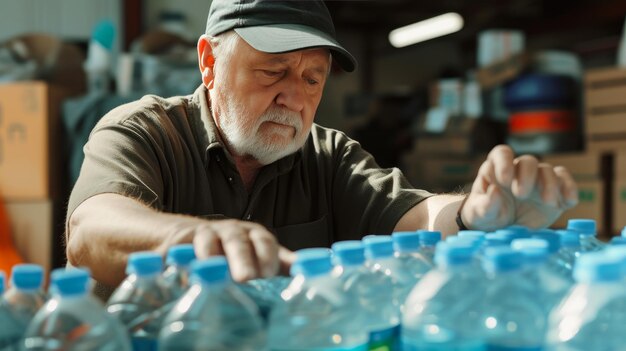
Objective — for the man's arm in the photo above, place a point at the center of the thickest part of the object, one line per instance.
(106, 228)
(507, 190)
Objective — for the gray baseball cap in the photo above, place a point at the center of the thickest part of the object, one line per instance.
(275, 26)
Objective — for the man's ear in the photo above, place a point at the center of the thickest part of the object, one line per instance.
(206, 61)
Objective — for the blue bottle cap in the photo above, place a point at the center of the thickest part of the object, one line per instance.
(69, 281)
(533, 249)
(553, 239)
(474, 242)
(2, 282)
(349, 252)
(493, 239)
(313, 263)
(429, 238)
(522, 232)
(618, 241)
(596, 267)
(312, 251)
(569, 238)
(502, 259)
(453, 254)
(380, 246)
(474, 234)
(144, 263)
(180, 255)
(583, 226)
(509, 234)
(406, 241)
(210, 271)
(27, 276)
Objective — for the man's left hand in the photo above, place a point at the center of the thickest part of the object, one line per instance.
(521, 190)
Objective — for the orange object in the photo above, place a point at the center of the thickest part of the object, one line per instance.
(8, 254)
(542, 121)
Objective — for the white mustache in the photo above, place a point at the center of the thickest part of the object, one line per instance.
(282, 116)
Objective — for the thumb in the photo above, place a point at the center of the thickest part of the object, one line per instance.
(286, 258)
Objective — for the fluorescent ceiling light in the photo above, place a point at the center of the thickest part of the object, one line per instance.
(424, 30)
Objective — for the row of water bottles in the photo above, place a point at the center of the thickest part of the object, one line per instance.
(513, 289)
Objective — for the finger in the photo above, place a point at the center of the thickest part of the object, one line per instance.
(266, 250)
(526, 168)
(206, 243)
(502, 158)
(568, 187)
(286, 258)
(484, 177)
(549, 185)
(240, 253)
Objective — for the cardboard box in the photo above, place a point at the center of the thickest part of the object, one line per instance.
(619, 206)
(605, 145)
(461, 137)
(605, 106)
(582, 166)
(29, 150)
(32, 229)
(590, 205)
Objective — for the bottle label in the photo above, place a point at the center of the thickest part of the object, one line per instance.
(142, 343)
(513, 348)
(354, 348)
(385, 340)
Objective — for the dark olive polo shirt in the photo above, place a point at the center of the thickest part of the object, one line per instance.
(169, 154)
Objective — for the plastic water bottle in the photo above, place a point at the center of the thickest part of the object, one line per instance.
(428, 243)
(410, 265)
(316, 314)
(558, 261)
(25, 296)
(142, 300)
(493, 240)
(213, 314)
(618, 240)
(511, 316)
(265, 292)
(376, 308)
(442, 311)
(10, 329)
(73, 319)
(593, 315)
(586, 228)
(550, 286)
(176, 275)
(379, 257)
(569, 251)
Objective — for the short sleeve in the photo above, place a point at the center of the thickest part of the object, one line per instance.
(121, 157)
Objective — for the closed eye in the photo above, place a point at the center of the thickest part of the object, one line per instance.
(272, 74)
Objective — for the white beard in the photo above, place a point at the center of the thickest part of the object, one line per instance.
(246, 139)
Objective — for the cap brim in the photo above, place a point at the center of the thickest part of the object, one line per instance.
(280, 38)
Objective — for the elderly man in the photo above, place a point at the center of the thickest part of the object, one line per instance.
(239, 168)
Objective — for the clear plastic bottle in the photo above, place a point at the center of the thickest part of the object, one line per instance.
(74, 320)
(556, 259)
(410, 264)
(10, 329)
(316, 314)
(441, 313)
(213, 314)
(428, 243)
(380, 316)
(618, 240)
(176, 275)
(379, 258)
(26, 295)
(142, 300)
(511, 317)
(586, 228)
(593, 315)
(550, 286)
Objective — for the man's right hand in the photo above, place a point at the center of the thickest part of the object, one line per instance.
(106, 228)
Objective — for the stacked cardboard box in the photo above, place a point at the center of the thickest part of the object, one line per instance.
(31, 181)
(587, 170)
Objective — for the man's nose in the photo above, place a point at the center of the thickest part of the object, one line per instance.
(292, 94)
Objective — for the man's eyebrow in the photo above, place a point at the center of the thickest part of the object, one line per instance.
(277, 60)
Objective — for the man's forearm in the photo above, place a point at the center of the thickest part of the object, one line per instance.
(104, 229)
(435, 213)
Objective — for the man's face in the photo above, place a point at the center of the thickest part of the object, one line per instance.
(264, 104)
